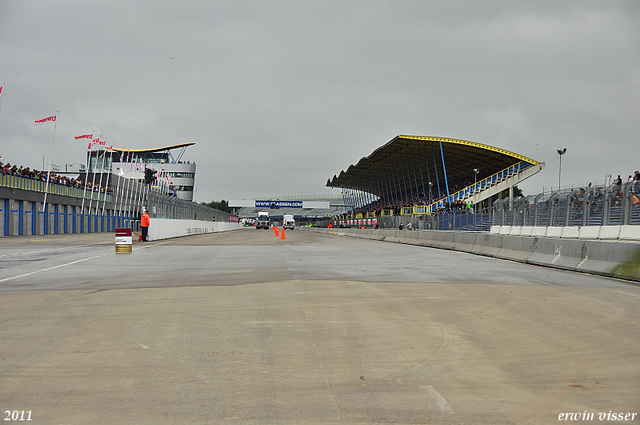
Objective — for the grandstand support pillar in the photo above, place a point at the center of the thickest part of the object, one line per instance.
(626, 204)
(10, 217)
(393, 189)
(39, 223)
(606, 206)
(376, 185)
(536, 201)
(510, 198)
(385, 190)
(444, 171)
(415, 177)
(435, 166)
(410, 190)
(400, 193)
(586, 207)
(568, 209)
(424, 192)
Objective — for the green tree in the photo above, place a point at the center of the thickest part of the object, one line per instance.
(517, 193)
(221, 206)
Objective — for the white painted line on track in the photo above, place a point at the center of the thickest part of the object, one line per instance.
(72, 262)
(440, 401)
(55, 267)
(13, 254)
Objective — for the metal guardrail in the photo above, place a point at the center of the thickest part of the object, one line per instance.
(480, 185)
(23, 183)
(587, 206)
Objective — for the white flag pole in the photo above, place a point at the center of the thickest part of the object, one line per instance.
(86, 177)
(129, 188)
(46, 188)
(104, 200)
(125, 185)
(116, 193)
(100, 187)
(123, 189)
(93, 183)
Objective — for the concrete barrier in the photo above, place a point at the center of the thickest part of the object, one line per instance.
(464, 241)
(488, 245)
(526, 230)
(610, 232)
(539, 232)
(590, 232)
(599, 257)
(629, 233)
(442, 239)
(554, 232)
(411, 237)
(425, 238)
(393, 236)
(161, 228)
(610, 258)
(505, 230)
(377, 234)
(564, 254)
(626, 232)
(516, 248)
(570, 232)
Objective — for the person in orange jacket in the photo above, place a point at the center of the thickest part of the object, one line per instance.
(144, 223)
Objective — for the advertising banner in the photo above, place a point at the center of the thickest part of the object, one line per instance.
(278, 204)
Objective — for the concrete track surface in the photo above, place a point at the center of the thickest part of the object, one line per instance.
(245, 328)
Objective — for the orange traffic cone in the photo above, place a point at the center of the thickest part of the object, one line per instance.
(275, 231)
(282, 237)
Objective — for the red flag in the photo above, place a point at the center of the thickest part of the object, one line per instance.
(89, 147)
(85, 136)
(0, 89)
(43, 120)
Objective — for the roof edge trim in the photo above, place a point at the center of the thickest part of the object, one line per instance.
(469, 143)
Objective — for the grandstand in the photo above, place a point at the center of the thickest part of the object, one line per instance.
(430, 173)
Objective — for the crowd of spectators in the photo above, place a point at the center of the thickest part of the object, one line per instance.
(33, 174)
(378, 206)
(594, 197)
(420, 199)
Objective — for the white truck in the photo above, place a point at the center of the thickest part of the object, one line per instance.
(288, 222)
(262, 221)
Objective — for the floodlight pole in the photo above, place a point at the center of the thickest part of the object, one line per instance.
(560, 152)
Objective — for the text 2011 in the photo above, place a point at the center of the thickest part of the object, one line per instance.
(17, 415)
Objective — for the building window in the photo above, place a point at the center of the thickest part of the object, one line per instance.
(182, 175)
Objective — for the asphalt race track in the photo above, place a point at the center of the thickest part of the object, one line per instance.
(245, 328)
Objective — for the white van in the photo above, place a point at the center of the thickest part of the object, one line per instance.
(262, 221)
(288, 222)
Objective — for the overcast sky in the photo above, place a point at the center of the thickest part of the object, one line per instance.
(281, 95)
